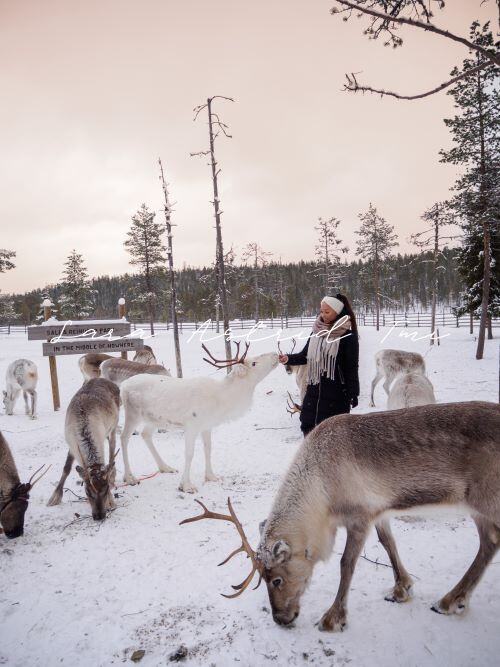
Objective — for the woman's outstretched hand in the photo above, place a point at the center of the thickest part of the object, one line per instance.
(283, 358)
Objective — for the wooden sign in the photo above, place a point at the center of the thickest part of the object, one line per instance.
(52, 329)
(85, 345)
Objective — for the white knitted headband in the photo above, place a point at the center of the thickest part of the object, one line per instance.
(334, 303)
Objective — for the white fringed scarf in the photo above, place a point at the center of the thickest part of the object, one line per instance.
(323, 347)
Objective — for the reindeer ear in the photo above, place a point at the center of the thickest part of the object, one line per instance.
(308, 553)
(4, 393)
(239, 370)
(262, 525)
(281, 551)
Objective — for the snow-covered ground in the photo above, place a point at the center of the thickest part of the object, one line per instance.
(87, 593)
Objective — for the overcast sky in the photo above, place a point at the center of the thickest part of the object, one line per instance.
(95, 91)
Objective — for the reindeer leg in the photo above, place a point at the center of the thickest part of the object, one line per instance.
(455, 602)
(128, 427)
(112, 472)
(26, 405)
(55, 498)
(402, 580)
(34, 400)
(335, 618)
(186, 484)
(387, 384)
(375, 382)
(210, 476)
(147, 435)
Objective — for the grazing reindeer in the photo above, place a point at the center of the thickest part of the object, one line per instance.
(14, 496)
(145, 356)
(410, 389)
(196, 404)
(90, 364)
(354, 471)
(22, 375)
(390, 363)
(300, 372)
(91, 418)
(119, 370)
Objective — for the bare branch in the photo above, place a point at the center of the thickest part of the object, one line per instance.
(354, 87)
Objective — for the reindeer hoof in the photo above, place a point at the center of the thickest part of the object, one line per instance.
(335, 624)
(167, 469)
(372, 404)
(130, 479)
(187, 488)
(457, 606)
(399, 593)
(211, 478)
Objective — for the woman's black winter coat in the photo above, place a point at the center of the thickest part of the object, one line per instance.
(330, 396)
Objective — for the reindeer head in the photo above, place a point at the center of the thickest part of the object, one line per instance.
(254, 368)
(97, 480)
(287, 574)
(288, 367)
(13, 506)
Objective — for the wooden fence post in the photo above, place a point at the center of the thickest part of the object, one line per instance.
(122, 315)
(56, 401)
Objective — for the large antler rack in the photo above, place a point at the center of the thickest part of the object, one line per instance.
(225, 363)
(244, 548)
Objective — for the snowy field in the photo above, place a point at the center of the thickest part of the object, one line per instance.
(87, 593)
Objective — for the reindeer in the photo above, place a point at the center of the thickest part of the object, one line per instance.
(357, 470)
(14, 496)
(195, 404)
(90, 364)
(410, 389)
(390, 363)
(119, 370)
(22, 375)
(300, 372)
(145, 356)
(91, 418)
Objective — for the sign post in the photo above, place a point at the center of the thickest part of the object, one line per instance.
(47, 312)
(81, 337)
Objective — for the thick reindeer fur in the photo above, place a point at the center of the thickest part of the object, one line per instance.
(21, 376)
(90, 364)
(355, 470)
(409, 390)
(91, 418)
(390, 363)
(119, 370)
(195, 404)
(12, 517)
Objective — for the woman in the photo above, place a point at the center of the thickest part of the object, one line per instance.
(331, 354)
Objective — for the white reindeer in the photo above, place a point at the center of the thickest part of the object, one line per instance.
(22, 375)
(195, 404)
(410, 389)
(119, 370)
(390, 363)
(91, 418)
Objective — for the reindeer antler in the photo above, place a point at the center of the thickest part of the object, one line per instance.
(32, 483)
(245, 545)
(224, 363)
(291, 406)
(294, 343)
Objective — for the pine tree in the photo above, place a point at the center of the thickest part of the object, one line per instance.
(76, 300)
(475, 132)
(147, 252)
(258, 259)
(8, 313)
(5, 257)
(377, 238)
(327, 250)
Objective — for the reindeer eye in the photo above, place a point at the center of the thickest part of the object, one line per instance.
(253, 363)
(277, 582)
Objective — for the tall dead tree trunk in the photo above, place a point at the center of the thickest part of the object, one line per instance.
(173, 291)
(435, 276)
(215, 125)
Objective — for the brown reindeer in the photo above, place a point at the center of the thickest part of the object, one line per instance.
(90, 364)
(355, 471)
(14, 496)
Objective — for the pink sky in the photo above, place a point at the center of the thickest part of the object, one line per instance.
(95, 91)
